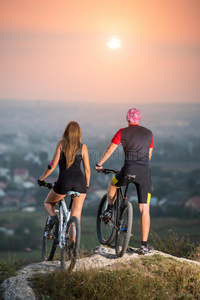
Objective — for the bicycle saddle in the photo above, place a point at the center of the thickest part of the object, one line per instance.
(72, 193)
(130, 176)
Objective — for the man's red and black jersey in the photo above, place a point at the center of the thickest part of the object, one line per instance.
(136, 141)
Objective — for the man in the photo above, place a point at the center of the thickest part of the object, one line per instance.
(137, 142)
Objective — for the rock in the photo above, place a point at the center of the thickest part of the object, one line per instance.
(18, 288)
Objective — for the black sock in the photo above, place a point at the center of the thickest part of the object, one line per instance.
(144, 243)
(110, 206)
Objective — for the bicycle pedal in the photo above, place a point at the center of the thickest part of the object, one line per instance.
(123, 229)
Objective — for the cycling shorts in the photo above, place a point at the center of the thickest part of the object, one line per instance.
(70, 181)
(142, 180)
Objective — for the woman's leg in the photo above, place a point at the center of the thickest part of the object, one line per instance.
(77, 206)
(50, 202)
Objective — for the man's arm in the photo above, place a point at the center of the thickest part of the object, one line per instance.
(110, 149)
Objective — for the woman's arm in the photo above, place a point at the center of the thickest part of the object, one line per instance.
(53, 162)
(86, 164)
(110, 149)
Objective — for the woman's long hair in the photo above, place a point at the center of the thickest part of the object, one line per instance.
(71, 142)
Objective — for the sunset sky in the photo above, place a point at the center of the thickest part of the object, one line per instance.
(57, 50)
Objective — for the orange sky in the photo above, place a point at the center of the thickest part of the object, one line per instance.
(56, 50)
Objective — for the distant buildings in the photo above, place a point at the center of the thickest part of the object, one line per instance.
(20, 175)
(16, 191)
(193, 203)
(5, 173)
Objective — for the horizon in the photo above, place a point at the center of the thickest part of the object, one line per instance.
(57, 101)
(97, 120)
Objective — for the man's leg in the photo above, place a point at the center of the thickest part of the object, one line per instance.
(111, 193)
(144, 220)
(111, 196)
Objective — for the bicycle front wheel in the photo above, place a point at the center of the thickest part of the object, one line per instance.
(124, 230)
(105, 230)
(49, 241)
(70, 250)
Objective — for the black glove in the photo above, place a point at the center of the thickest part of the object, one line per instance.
(41, 182)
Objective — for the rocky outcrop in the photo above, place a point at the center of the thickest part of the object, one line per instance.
(18, 288)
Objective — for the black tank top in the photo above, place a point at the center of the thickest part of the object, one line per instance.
(77, 161)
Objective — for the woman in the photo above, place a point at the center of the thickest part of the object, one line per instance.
(69, 153)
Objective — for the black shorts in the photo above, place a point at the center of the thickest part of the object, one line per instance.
(74, 180)
(142, 180)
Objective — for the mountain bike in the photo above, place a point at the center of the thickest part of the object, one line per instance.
(119, 226)
(65, 233)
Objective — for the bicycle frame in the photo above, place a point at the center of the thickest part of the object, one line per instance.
(64, 218)
(65, 215)
(65, 232)
(121, 195)
(119, 225)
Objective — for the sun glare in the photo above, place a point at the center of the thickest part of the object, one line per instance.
(114, 43)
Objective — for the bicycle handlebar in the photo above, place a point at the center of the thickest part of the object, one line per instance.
(108, 171)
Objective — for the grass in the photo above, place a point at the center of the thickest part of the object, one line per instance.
(8, 269)
(179, 247)
(152, 277)
(23, 258)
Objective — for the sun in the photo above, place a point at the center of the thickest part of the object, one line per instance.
(114, 43)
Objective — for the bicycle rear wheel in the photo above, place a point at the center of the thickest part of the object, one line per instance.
(124, 230)
(49, 241)
(105, 230)
(70, 250)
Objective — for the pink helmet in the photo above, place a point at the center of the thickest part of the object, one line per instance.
(133, 115)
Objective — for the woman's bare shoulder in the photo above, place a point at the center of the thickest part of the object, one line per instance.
(60, 144)
(84, 148)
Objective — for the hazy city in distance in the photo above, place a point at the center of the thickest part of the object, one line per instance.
(98, 121)
(37, 125)
(29, 131)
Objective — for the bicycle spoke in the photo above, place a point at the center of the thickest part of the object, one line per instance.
(105, 229)
(124, 230)
(70, 250)
(49, 242)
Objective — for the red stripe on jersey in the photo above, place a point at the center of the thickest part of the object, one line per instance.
(152, 142)
(117, 137)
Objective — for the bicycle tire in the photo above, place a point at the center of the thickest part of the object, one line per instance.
(123, 233)
(69, 252)
(49, 242)
(105, 232)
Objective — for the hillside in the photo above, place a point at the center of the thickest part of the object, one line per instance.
(19, 287)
